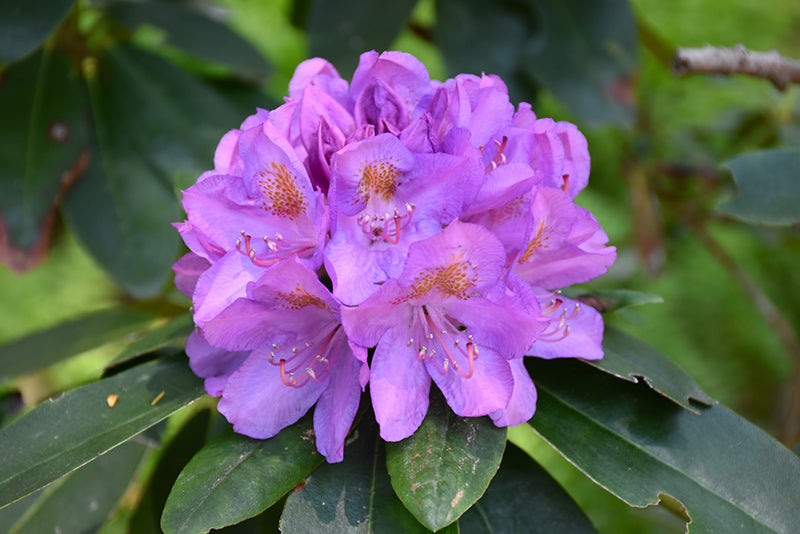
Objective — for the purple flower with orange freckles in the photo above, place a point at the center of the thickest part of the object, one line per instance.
(438, 322)
(426, 219)
(385, 197)
(276, 352)
(243, 225)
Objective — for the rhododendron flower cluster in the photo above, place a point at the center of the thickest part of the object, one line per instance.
(392, 231)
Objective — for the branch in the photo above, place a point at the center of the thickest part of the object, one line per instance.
(772, 66)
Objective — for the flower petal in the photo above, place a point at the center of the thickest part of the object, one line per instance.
(257, 402)
(584, 339)
(211, 363)
(399, 386)
(522, 405)
(187, 270)
(221, 284)
(338, 404)
(487, 390)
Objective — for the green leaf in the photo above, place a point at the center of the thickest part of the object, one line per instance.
(631, 359)
(89, 331)
(475, 37)
(441, 470)
(585, 55)
(340, 30)
(154, 124)
(729, 475)
(64, 433)
(24, 25)
(83, 500)
(10, 404)
(354, 496)
(177, 453)
(769, 187)
(43, 145)
(173, 332)
(190, 30)
(235, 477)
(523, 490)
(609, 300)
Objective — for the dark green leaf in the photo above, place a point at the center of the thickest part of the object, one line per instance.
(769, 187)
(10, 404)
(44, 348)
(445, 467)
(585, 55)
(176, 454)
(474, 37)
(340, 30)
(83, 500)
(729, 475)
(64, 433)
(354, 496)
(174, 332)
(608, 300)
(235, 477)
(192, 31)
(43, 143)
(628, 358)
(24, 25)
(523, 490)
(154, 124)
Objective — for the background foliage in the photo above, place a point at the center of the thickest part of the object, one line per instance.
(108, 109)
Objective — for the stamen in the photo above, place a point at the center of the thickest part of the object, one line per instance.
(450, 359)
(387, 226)
(307, 359)
(565, 185)
(500, 158)
(276, 249)
(552, 306)
(565, 334)
(550, 335)
(559, 326)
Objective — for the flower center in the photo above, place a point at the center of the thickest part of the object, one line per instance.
(559, 327)
(309, 361)
(432, 330)
(387, 226)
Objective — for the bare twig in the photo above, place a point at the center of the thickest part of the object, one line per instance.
(771, 65)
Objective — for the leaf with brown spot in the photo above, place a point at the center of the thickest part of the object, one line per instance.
(43, 150)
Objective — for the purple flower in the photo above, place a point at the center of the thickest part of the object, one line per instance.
(243, 224)
(385, 198)
(428, 220)
(437, 321)
(276, 352)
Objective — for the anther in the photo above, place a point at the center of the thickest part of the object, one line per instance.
(552, 306)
